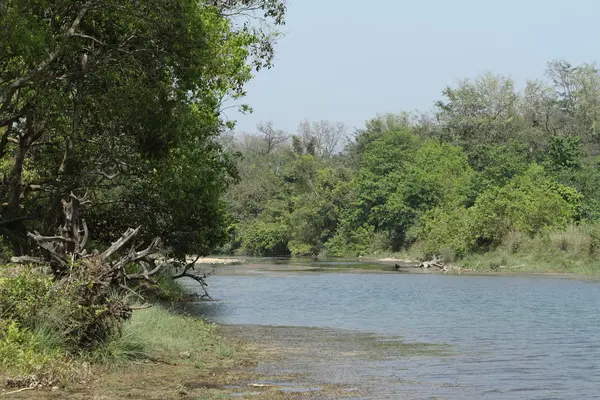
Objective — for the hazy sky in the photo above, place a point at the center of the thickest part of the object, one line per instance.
(348, 60)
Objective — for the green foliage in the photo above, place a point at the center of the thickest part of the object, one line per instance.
(169, 289)
(351, 241)
(573, 249)
(166, 334)
(564, 152)
(83, 309)
(483, 109)
(263, 238)
(529, 203)
(26, 352)
(124, 102)
(446, 231)
(5, 250)
(23, 294)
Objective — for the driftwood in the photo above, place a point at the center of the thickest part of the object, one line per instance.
(187, 271)
(68, 246)
(438, 264)
(434, 263)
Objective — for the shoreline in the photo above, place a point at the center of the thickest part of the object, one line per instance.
(216, 260)
(249, 266)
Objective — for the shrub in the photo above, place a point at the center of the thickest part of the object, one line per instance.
(266, 238)
(23, 294)
(83, 309)
(446, 231)
(530, 203)
(23, 351)
(513, 241)
(351, 242)
(574, 239)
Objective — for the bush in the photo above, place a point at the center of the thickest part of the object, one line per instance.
(574, 239)
(23, 293)
(447, 231)
(26, 352)
(513, 241)
(351, 242)
(531, 203)
(266, 238)
(83, 309)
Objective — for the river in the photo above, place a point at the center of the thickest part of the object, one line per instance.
(499, 337)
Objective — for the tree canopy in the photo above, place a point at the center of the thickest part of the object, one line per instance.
(123, 100)
(489, 162)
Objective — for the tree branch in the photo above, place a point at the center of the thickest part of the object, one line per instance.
(7, 94)
(27, 260)
(115, 246)
(44, 239)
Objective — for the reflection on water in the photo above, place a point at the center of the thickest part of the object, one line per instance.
(514, 337)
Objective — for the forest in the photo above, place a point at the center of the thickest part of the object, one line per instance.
(492, 169)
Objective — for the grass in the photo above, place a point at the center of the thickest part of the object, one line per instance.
(34, 350)
(574, 250)
(165, 335)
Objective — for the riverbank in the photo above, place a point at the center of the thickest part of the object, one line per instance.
(573, 253)
(500, 262)
(164, 355)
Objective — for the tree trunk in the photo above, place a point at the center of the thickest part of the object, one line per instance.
(16, 180)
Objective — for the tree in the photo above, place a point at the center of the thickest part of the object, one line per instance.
(122, 100)
(324, 137)
(272, 138)
(482, 109)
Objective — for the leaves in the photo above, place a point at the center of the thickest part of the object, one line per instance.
(122, 100)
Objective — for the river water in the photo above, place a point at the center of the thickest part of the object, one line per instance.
(504, 337)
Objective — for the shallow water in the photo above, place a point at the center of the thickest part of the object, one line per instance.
(517, 337)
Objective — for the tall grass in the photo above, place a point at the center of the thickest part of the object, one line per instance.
(575, 249)
(161, 334)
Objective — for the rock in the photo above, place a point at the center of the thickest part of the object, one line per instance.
(185, 354)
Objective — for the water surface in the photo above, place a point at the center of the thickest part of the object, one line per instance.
(517, 337)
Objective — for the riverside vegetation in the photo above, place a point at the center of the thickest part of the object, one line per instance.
(491, 178)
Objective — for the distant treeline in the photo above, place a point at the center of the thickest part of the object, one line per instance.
(489, 164)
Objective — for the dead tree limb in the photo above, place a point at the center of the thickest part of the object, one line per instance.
(199, 277)
(116, 246)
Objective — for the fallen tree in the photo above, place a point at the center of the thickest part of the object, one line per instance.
(93, 290)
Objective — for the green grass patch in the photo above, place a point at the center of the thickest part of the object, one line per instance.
(575, 249)
(161, 334)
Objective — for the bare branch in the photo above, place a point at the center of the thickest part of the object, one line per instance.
(115, 246)
(80, 35)
(105, 175)
(86, 234)
(272, 137)
(155, 267)
(144, 307)
(44, 239)
(136, 256)
(200, 278)
(27, 260)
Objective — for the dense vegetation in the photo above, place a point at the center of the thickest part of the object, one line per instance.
(491, 167)
(110, 115)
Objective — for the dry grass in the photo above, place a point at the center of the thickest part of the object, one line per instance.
(575, 249)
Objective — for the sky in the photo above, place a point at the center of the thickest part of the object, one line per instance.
(347, 60)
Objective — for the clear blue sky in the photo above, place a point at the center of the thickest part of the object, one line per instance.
(348, 60)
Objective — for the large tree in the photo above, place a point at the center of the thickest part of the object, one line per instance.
(122, 100)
